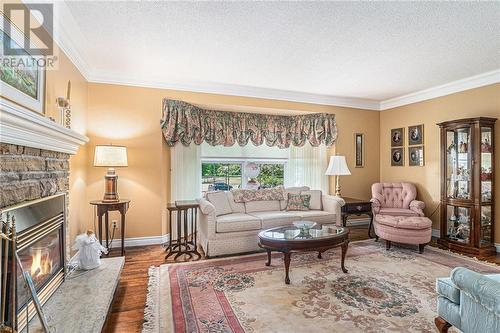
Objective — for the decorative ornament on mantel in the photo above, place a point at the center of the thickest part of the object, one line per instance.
(64, 106)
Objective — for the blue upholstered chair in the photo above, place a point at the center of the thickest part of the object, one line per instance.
(469, 301)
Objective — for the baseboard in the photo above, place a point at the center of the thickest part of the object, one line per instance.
(358, 221)
(497, 246)
(140, 241)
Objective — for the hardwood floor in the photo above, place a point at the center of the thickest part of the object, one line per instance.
(127, 311)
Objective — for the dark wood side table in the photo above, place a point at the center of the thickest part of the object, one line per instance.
(357, 207)
(103, 208)
(184, 241)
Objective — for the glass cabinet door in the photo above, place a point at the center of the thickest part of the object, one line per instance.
(459, 220)
(485, 235)
(486, 165)
(458, 163)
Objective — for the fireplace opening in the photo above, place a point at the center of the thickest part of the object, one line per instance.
(40, 248)
(42, 260)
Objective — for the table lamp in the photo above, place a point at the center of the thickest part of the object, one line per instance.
(110, 156)
(337, 167)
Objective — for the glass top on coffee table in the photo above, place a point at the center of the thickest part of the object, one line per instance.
(292, 233)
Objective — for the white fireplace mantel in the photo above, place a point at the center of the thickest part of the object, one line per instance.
(24, 127)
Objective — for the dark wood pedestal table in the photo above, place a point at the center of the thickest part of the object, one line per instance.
(290, 239)
(184, 240)
(103, 208)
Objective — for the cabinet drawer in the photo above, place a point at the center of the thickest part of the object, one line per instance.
(357, 208)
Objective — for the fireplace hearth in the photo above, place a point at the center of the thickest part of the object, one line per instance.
(41, 250)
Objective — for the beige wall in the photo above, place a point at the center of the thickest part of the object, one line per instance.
(131, 116)
(483, 101)
(56, 83)
(55, 86)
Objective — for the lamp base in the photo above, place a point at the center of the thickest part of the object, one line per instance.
(111, 186)
(337, 186)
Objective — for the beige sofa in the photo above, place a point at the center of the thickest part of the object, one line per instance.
(234, 228)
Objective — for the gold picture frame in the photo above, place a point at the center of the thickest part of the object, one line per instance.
(359, 150)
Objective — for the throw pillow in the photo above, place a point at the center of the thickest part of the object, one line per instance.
(315, 199)
(220, 201)
(266, 194)
(293, 190)
(298, 202)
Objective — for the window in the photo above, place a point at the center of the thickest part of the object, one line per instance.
(226, 175)
(271, 174)
(220, 176)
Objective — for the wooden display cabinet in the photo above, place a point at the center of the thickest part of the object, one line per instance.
(467, 185)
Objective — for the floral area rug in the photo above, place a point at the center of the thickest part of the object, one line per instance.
(384, 291)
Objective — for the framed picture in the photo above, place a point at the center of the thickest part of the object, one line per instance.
(359, 150)
(416, 156)
(397, 137)
(397, 157)
(416, 135)
(21, 84)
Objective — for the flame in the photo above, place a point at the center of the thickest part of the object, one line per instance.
(41, 263)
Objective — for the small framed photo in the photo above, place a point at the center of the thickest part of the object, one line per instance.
(397, 157)
(359, 150)
(397, 137)
(416, 156)
(416, 135)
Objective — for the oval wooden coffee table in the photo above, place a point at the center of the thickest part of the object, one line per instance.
(289, 239)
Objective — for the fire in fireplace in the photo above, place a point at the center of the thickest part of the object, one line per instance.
(40, 247)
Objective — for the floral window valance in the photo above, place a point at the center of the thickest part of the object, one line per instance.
(186, 123)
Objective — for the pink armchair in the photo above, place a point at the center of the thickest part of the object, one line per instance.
(398, 217)
(396, 199)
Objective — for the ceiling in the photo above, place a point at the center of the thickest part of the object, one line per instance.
(360, 54)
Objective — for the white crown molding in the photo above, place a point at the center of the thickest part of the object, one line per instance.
(243, 91)
(66, 34)
(24, 127)
(69, 37)
(472, 82)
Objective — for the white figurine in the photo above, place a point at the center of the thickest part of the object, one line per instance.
(89, 251)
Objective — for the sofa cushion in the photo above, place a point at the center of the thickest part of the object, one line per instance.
(298, 202)
(262, 206)
(293, 190)
(404, 222)
(315, 199)
(220, 201)
(236, 207)
(276, 218)
(237, 222)
(265, 194)
(317, 216)
(397, 212)
(446, 288)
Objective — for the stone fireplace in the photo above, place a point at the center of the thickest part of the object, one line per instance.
(34, 178)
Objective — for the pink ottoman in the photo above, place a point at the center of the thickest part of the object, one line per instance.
(403, 229)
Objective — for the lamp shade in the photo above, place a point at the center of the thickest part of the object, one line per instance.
(110, 156)
(337, 166)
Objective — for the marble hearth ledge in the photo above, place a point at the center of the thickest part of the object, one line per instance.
(20, 126)
(82, 302)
